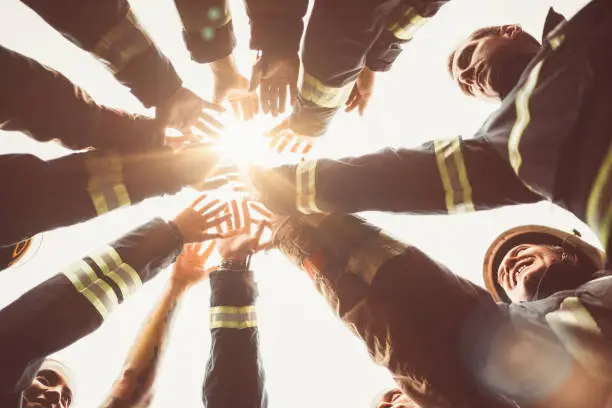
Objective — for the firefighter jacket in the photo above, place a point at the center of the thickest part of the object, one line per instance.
(548, 140)
(47, 106)
(234, 372)
(342, 37)
(42, 195)
(432, 329)
(75, 302)
(110, 31)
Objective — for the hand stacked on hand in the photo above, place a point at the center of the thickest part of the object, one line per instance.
(230, 227)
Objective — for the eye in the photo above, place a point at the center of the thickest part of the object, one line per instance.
(464, 59)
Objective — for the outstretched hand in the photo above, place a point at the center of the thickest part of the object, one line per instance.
(362, 92)
(285, 139)
(245, 241)
(199, 221)
(186, 110)
(190, 267)
(273, 75)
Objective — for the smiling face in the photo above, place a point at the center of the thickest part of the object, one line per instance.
(489, 63)
(395, 398)
(48, 390)
(522, 268)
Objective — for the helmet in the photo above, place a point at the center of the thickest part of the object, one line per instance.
(532, 234)
(10, 255)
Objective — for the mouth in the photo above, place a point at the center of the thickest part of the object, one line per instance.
(519, 269)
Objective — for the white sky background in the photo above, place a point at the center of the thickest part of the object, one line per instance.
(311, 360)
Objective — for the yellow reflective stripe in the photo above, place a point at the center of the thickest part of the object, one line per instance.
(367, 259)
(105, 185)
(523, 117)
(599, 205)
(123, 43)
(407, 26)
(306, 187)
(95, 290)
(232, 317)
(322, 95)
(576, 328)
(110, 263)
(453, 173)
(556, 41)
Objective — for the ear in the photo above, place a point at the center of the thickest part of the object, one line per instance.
(511, 30)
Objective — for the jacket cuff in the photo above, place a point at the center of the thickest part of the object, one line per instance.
(232, 288)
(276, 35)
(210, 44)
(310, 119)
(382, 55)
(276, 188)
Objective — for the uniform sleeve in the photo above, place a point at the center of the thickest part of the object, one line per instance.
(43, 195)
(234, 373)
(339, 43)
(452, 176)
(402, 25)
(410, 311)
(109, 30)
(276, 25)
(47, 106)
(208, 29)
(75, 302)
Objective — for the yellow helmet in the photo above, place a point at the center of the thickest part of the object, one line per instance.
(532, 234)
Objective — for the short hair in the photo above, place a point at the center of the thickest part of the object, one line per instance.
(476, 35)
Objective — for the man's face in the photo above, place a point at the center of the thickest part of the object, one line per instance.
(395, 398)
(489, 63)
(522, 269)
(48, 390)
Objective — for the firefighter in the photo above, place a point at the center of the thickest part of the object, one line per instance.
(490, 62)
(346, 42)
(234, 373)
(75, 302)
(547, 141)
(111, 32)
(444, 339)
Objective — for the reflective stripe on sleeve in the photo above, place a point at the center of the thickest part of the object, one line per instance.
(96, 288)
(523, 116)
(231, 317)
(599, 205)
(123, 43)
(105, 185)
(457, 188)
(579, 332)
(407, 25)
(306, 187)
(367, 259)
(322, 95)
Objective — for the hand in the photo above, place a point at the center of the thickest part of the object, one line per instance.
(362, 91)
(233, 87)
(283, 139)
(244, 242)
(196, 221)
(190, 267)
(185, 109)
(273, 75)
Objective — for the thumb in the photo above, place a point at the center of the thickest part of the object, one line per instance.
(258, 70)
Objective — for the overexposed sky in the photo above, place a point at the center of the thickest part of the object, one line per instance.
(311, 360)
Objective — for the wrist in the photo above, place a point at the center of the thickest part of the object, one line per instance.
(236, 263)
(224, 67)
(177, 288)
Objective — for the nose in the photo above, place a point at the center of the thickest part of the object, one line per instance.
(466, 76)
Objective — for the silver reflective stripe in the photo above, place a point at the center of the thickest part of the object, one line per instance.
(306, 187)
(322, 95)
(367, 259)
(232, 317)
(453, 173)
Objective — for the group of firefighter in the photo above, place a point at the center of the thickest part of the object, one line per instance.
(539, 336)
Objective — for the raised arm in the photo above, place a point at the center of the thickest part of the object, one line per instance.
(47, 106)
(410, 311)
(235, 373)
(76, 301)
(440, 177)
(134, 386)
(43, 195)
